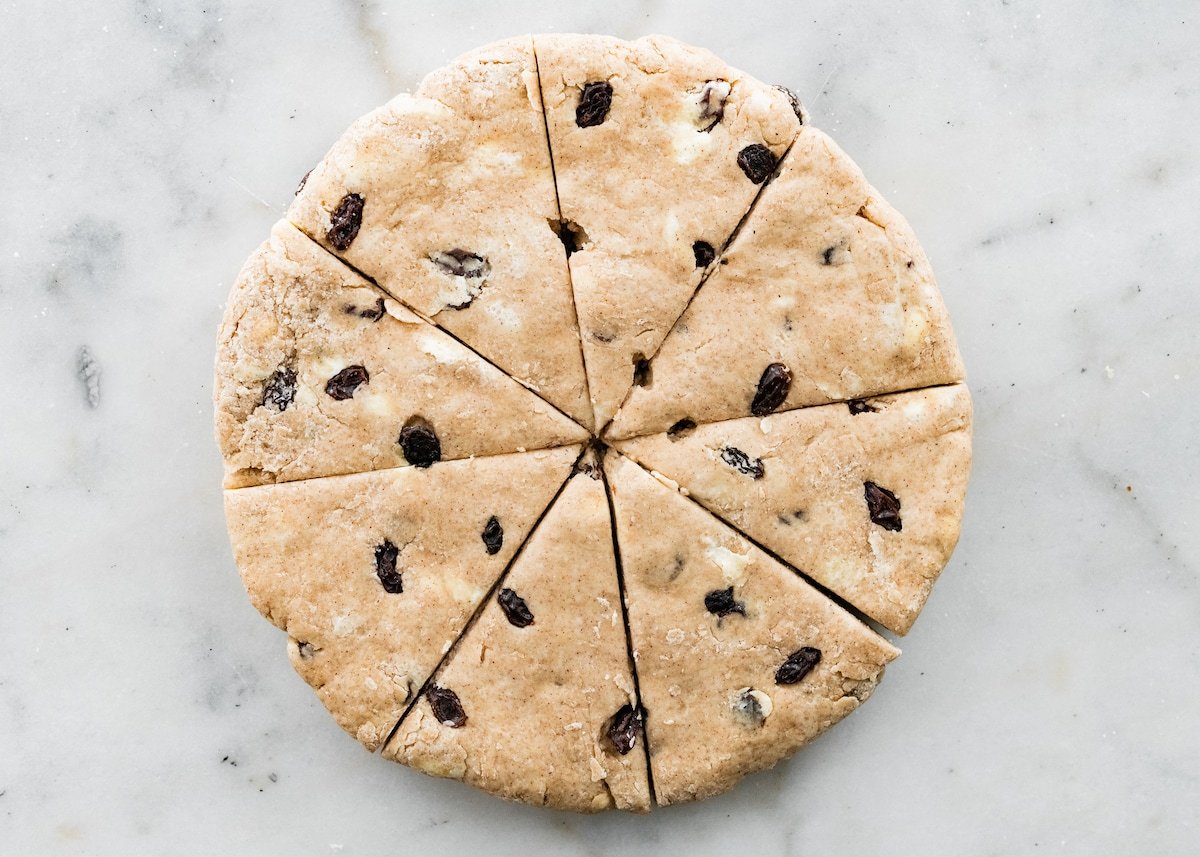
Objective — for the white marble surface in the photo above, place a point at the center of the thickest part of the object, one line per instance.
(1049, 699)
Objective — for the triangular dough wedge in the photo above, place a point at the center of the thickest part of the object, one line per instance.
(722, 634)
(796, 482)
(318, 374)
(539, 699)
(644, 180)
(374, 575)
(824, 278)
(446, 198)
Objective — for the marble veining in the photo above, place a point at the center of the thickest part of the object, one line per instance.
(1048, 699)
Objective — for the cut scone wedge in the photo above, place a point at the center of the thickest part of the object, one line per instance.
(864, 497)
(825, 295)
(537, 702)
(319, 374)
(446, 199)
(740, 662)
(374, 575)
(659, 149)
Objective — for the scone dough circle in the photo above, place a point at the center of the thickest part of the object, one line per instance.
(582, 419)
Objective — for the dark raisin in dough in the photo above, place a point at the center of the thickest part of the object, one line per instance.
(794, 100)
(749, 708)
(884, 506)
(345, 221)
(420, 444)
(493, 536)
(461, 263)
(743, 463)
(858, 406)
(446, 706)
(386, 555)
(373, 314)
(712, 103)
(799, 664)
(342, 385)
(757, 162)
(594, 103)
(704, 254)
(681, 429)
(623, 728)
(773, 388)
(720, 602)
(515, 608)
(280, 390)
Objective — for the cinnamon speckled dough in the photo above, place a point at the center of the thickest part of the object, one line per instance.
(809, 506)
(539, 699)
(307, 553)
(715, 710)
(824, 277)
(463, 165)
(294, 306)
(647, 183)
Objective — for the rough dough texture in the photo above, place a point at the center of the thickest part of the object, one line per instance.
(308, 556)
(561, 241)
(647, 183)
(714, 709)
(463, 165)
(809, 505)
(295, 306)
(539, 698)
(825, 278)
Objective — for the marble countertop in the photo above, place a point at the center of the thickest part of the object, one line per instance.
(1049, 699)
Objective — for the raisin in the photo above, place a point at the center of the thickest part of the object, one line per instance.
(386, 555)
(446, 706)
(757, 162)
(306, 650)
(623, 728)
(681, 429)
(280, 391)
(461, 263)
(303, 182)
(515, 608)
(345, 221)
(420, 443)
(704, 254)
(493, 536)
(838, 254)
(641, 371)
(743, 463)
(799, 664)
(858, 406)
(342, 385)
(375, 313)
(594, 102)
(712, 103)
(720, 602)
(794, 100)
(773, 388)
(883, 505)
(752, 706)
